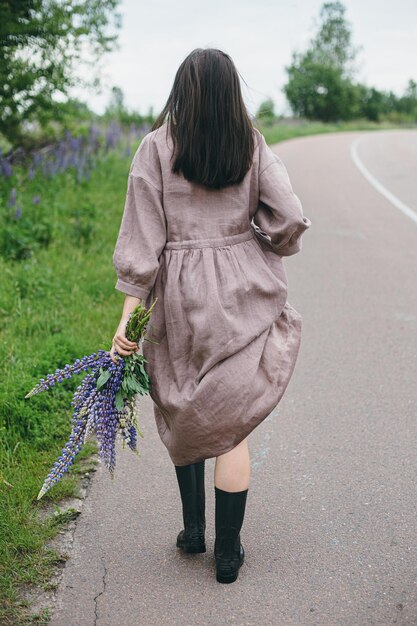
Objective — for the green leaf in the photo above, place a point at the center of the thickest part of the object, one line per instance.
(119, 401)
(103, 378)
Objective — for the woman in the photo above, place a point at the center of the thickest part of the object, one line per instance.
(223, 338)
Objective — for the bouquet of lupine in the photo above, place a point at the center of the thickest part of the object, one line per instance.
(104, 403)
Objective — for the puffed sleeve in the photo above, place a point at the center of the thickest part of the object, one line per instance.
(143, 231)
(279, 214)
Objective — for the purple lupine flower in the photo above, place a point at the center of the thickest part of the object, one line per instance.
(107, 425)
(79, 365)
(36, 199)
(102, 404)
(31, 171)
(89, 405)
(12, 197)
(17, 215)
(66, 459)
(87, 391)
(78, 152)
(6, 167)
(132, 443)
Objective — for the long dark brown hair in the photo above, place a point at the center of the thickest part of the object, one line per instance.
(210, 127)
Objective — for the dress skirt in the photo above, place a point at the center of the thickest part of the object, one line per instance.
(227, 341)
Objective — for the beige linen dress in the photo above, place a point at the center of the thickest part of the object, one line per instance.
(227, 338)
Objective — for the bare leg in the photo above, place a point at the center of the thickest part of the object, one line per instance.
(232, 470)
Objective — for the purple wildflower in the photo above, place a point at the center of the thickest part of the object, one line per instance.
(132, 443)
(17, 212)
(79, 365)
(103, 403)
(12, 197)
(6, 167)
(93, 410)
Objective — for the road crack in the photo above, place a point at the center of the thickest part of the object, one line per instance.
(100, 593)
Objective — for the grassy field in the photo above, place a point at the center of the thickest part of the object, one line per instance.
(300, 128)
(55, 306)
(57, 303)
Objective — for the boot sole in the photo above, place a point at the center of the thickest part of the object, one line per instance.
(192, 549)
(227, 579)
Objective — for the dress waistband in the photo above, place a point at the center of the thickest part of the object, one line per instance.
(211, 243)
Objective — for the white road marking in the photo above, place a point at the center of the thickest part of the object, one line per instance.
(378, 186)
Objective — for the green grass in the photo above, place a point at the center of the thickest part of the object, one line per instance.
(56, 306)
(289, 129)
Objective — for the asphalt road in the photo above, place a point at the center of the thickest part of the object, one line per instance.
(330, 531)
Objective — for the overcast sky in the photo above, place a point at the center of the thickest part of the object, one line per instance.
(259, 35)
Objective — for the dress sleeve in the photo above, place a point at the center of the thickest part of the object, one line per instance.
(279, 214)
(143, 231)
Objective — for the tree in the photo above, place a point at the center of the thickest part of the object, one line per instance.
(319, 80)
(116, 107)
(408, 102)
(319, 91)
(42, 44)
(411, 90)
(333, 43)
(266, 111)
(117, 110)
(373, 103)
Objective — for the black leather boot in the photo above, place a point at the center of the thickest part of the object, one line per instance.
(228, 550)
(193, 497)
